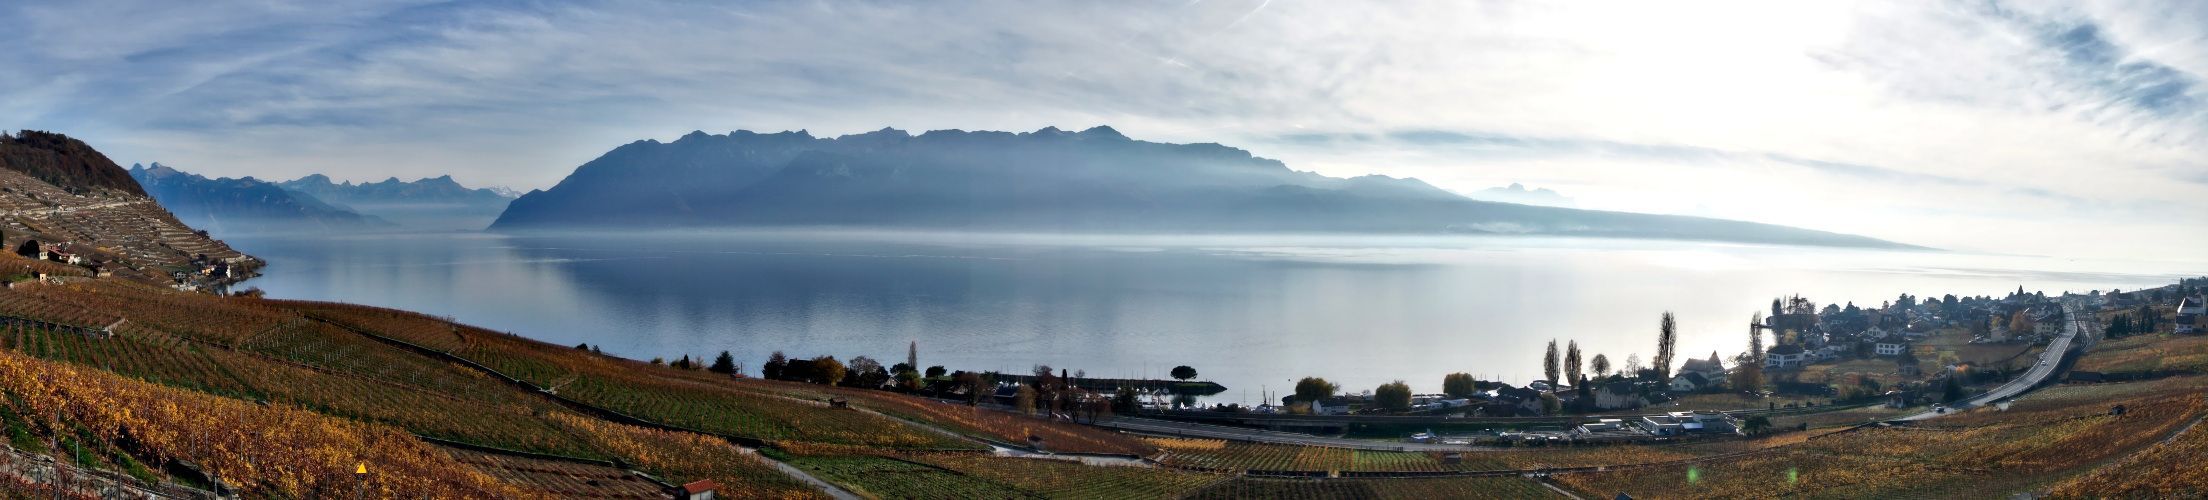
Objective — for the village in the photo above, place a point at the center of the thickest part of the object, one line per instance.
(1908, 353)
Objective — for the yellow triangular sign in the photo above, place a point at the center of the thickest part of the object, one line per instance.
(361, 469)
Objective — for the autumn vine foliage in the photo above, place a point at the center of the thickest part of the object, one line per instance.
(689, 456)
(265, 451)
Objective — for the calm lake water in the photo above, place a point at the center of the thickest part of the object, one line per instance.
(1253, 313)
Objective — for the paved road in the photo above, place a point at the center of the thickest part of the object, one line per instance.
(2048, 361)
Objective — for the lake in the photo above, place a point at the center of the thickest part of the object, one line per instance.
(1251, 312)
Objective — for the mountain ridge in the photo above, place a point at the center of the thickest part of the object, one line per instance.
(1092, 180)
(244, 205)
(429, 203)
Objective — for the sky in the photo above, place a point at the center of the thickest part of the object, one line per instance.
(2073, 129)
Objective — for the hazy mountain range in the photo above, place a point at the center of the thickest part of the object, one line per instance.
(1520, 194)
(436, 203)
(246, 205)
(313, 203)
(1095, 180)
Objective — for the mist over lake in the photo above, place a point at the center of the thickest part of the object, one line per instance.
(1250, 312)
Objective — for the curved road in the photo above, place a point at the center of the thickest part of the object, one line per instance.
(2058, 348)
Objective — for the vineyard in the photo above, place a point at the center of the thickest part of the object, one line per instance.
(1219, 455)
(2162, 353)
(893, 478)
(553, 478)
(686, 457)
(1004, 427)
(1450, 487)
(1237, 456)
(1981, 453)
(265, 451)
(436, 400)
(1062, 479)
(2167, 470)
(16, 266)
(684, 398)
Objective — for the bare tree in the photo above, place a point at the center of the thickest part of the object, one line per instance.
(1601, 365)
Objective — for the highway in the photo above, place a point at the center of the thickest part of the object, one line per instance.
(2039, 373)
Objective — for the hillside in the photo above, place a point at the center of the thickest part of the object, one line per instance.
(102, 216)
(437, 408)
(1095, 180)
(63, 162)
(437, 203)
(243, 206)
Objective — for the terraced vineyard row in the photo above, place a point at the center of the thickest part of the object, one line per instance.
(1062, 479)
(16, 265)
(893, 478)
(684, 398)
(266, 451)
(686, 457)
(1983, 453)
(558, 479)
(172, 363)
(2166, 470)
(1425, 488)
(205, 317)
(1004, 427)
(24, 305)
(1237, 456)
(250, 326)
(491, 415)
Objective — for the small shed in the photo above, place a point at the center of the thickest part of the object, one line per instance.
(703, 489)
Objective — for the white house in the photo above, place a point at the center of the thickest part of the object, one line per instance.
(1890, 345)
(1785, 356)
(1618, 396)
(2189, 311)
(1689, 382)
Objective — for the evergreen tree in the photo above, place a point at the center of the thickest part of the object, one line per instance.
(776, 367)
(1572, 364)
(1549, 366)
(1667, 339)
(725, 364)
